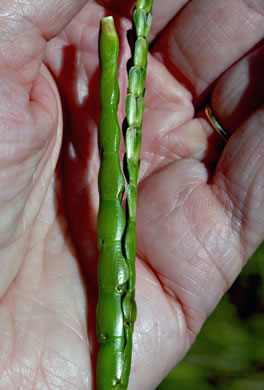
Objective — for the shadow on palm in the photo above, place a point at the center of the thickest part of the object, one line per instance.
(79, 160)
(77, 174)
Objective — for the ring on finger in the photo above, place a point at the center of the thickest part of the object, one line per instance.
(215, 124)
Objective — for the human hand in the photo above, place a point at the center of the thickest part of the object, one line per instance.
(197, 225)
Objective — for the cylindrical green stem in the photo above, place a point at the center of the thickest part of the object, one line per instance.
(113, 272)
(116, 308)
(134, 110)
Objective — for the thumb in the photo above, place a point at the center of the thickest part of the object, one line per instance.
(25, 27)
(30, 120)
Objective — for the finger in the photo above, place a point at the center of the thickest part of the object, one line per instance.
(239, 182)
(163, 13)
(24, 29)
(240, 91)
(169, 132)
(236, 95)
(30, 122)
(29, 147)
(207, 37)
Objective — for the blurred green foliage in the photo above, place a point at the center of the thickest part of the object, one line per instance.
(229, 351)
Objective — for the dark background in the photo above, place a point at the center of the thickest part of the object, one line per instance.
(229, 351)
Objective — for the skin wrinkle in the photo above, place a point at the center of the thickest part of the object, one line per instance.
(35, 338)
(51, 378)
(59, 7)
(49, 371)
(254, 188)
(147, 296)
(146, 332)
(12, 258)
(40, 249)
(12, 323)
(175, 305)
(39, 373)
(7, 359)
(78, 334)
(213, 262)
(255, 6)
(57, 311)
(174, 206)
(210, 276)
(191, 295)
(165, 141)
(234, 264)
(165, 103)
(20, 371)
(26, 335)
(149, 161)
(198, 261)
(193, 284)
(192, 69)
(246, 207)
(223, 276)
(27, 62)
(63, 244)
(153, 158)
(47, 308)
(20, 215)
(171, 155)
(231, 203)
(167, 292)
(66, 325)
(28, 375)
(65, 317)
(203, 245)
(149, 281)
(240, 251)
(183, 306)
(24, 216)
(154, 163)
(184, 148)
(212, 228)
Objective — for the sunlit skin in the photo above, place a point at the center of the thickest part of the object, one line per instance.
(200, 206)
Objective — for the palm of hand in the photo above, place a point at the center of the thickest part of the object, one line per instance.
(191, 243)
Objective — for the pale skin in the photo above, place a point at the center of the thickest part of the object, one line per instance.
(201, 206)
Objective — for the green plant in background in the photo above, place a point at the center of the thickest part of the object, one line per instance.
(116, 307)
(229, 352)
